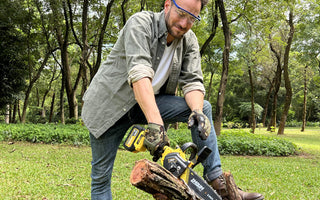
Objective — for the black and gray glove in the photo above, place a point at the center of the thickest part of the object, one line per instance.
(197, 118)
(155, 139)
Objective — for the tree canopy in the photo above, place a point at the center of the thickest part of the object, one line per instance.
(260, 58)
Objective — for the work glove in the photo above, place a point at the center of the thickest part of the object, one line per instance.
(197, 118)
(155, 139)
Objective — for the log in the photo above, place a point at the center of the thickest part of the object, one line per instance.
(232, 188)
(158, 181)
(163, 185)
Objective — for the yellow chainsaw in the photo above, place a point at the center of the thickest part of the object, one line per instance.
(176, 162)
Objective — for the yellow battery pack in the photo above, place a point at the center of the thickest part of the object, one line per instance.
(135, 139)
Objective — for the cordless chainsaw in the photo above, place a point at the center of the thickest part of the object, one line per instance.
(176, 162)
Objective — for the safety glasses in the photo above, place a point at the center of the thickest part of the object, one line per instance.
(182, 13)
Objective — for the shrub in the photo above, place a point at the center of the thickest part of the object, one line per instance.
(241, 142)
(45, 133)
(232, 142)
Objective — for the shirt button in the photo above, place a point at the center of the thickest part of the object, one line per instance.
(124, 109)
(158, 58)
(163, 43)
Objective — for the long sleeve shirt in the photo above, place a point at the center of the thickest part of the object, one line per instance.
(136, 55)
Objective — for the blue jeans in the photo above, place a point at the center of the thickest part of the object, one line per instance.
(172, 109)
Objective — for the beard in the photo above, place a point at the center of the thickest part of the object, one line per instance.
(174, 29)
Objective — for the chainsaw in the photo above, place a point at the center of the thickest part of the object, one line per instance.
(176, 162)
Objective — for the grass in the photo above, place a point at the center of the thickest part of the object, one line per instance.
(39, 171)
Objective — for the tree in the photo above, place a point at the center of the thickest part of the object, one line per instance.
(225, 67)
(286, 75)
(62, 36)
(12, 52)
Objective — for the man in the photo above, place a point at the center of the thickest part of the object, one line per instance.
(155, 53)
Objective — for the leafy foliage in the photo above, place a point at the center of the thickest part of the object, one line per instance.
(232, 142)
(12, 52)
(240, 142)
(45, 133)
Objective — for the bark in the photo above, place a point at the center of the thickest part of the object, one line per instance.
(253, 116)
(305, 92)
(210, 86)
(84, 46)
(15, 110)
(156, 180)
(277, 84)
(124, 19)
(225, 67)
(266, 105)
(63, 39)
(7, 114)
(159, 182)
(215, 22)
(85, 50)
(61, 109)
(287, 82)
(52, 107)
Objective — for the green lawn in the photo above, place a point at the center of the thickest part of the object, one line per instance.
(38, 171)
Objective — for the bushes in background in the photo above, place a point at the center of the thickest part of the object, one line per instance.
(241, 142)
(231, 141)
(74, 134)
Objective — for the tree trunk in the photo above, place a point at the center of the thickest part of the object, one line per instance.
(63, 44)
(52, 107)
(7, 114)
(213, 29)
(288, 98)
(210, 86)
(277, 84)
(266, 105)
(15, 110)
(61, 109)
(85, 49)
(253, 115)
(305, 92)
(225, 68)
(124, 19)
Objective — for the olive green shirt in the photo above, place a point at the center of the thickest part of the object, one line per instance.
(136, 55)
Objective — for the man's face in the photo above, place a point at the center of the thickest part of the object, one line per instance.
(178, 20)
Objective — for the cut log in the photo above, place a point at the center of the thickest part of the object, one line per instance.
(158, 181)
(231, 187)
(163, 185)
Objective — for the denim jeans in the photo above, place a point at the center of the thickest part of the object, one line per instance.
(172, 109)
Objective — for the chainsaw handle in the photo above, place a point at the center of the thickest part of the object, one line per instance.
(188, 145)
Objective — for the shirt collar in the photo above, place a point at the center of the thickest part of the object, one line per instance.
(162, 25)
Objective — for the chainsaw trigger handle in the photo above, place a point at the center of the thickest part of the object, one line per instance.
(188, 145)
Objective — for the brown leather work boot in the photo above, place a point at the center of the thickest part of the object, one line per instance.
(219, 184)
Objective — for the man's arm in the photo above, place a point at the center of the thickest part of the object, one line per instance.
(144, 95)
(194, 100)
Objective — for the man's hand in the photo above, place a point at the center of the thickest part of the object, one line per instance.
(155, 139)
(197, 118)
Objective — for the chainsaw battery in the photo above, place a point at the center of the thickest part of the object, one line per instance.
(135, 139)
